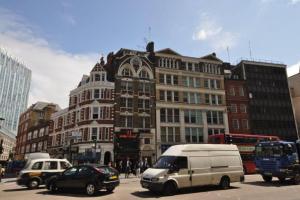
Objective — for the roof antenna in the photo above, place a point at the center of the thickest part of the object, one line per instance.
(250, 50)
(227, 48)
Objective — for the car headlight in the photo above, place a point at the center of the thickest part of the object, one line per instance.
(154, 179)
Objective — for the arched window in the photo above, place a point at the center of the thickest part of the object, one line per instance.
(144, 74)
(126, 72)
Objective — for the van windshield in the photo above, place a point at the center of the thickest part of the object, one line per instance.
(171, 162)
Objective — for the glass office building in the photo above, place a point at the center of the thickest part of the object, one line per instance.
(14, 89)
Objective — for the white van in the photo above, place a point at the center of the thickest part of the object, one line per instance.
(191, 165)
(36, 171)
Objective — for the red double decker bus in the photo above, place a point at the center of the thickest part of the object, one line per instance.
(246, 145)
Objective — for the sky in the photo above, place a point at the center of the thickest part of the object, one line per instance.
(62, 40)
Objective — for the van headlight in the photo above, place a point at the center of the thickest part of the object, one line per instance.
(155, 179)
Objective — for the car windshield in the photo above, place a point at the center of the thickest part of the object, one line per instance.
(269, 150)
(165, 162)
(106, 170)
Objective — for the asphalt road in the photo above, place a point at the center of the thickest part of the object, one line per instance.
(253, 189)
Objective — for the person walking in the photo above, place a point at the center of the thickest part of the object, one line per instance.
(146, 164)
(127, 168)
(139, 166)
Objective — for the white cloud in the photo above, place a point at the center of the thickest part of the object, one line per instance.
(213, 33)
(294, 1)
(293, 69)
(54, 71)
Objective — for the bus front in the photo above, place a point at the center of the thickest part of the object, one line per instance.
(275, 159)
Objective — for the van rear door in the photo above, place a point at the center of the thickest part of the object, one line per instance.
(200, 170)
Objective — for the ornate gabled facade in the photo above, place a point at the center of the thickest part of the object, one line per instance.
(83, 132)
(133, 73)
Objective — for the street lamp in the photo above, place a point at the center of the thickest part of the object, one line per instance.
(1, 119)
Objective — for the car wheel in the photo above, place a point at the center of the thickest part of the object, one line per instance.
(90, 189)
(33, 184)
(52, 187)
(267, 179)
(225, 183)
(110, 189)
(281, 179)
(296, 179)
(169, 189)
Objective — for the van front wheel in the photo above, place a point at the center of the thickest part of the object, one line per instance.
(169, 189)
(267, 179)
(225, 183)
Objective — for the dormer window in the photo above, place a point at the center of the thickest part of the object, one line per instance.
(126, 72)
(144, 74)
(97, 77)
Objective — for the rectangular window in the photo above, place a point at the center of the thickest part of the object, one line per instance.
(161, 95)
(163, 115)
(175, 80)
(185, 97)
(233, 108)
(231, 91)
(192, 98)
(169, 95)
(94, 133)
(170, 134)
(213, 99)
(96, 94)
(163, 134)
(241, 91)
(235, 124)
(176, 96)
(207, 99)
(213, 84)
(243, 108)
(197, 82)
(95, 112)
(206, 83)
(169, 115)
(162, 78)
(177, 134)
(245, 124)
(218, 84)
(169, 79)
(220, 101)
(176, 115)
(185, 81)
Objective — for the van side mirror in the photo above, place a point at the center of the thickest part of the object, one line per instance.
(173, 169)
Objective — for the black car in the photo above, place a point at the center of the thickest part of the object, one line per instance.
(89, 178)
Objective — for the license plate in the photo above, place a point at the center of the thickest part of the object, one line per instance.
(268, 173)
(113, 177)
(145, 184)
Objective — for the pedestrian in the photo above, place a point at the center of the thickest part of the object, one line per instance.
(146, 164)
(127, 168)
(0, 172)
(139, 165)
(120, 166)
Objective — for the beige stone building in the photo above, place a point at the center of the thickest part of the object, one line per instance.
(294, 84)
(190, 99)
(9, 141)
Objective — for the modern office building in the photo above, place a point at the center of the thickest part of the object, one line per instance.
(294, 84)
(83, 132)
(270, 107)
(134, 129)
(33, 129)
(14, 89)
(190, 98)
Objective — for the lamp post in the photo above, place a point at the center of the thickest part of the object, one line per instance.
(1, 119)
(1, 142)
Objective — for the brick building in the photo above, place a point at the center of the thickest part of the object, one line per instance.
(133, 74)
(237, 101)
(83, 132)
(33, 129)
